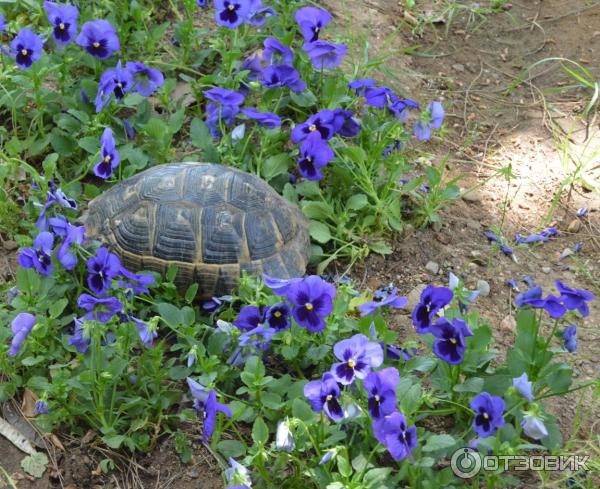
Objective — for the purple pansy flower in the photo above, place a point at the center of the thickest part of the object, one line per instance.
(582, 212)
(524, 386)
(360, 85)
(26, 48)
(259, 337)
(400, 108)
(394, 432)
(114, 82)
(323, 395)
(314, 155)
(265, 119)
(489, 414)
(63, 19)
(523, 298)
(575, 299)
(325, 54)
(391, 300)
(435, 118)
(101, 269)
(569, 336)
(73, 235)
(323, 123)
(283, 76)
(534, 427)
(41, 407)
(275, 52)
(206, 403)
(224, 96)
(20, 326)
(39, 256)
(278, 316)
(381, 391)
(432, 300)
(311, 21)
(358, 355)
(379, 97)
(99, 38)
(2, 24)
(249, 318)
(279, 286)
(103, 309)
(80, 338)
(552, 304)
(110, 156)
(146, 80)
(147, 334)
(312, 299)
(232, 13)
(344, 123)
(137, 282)
(253, 65)
(450, 344)
(258, 14)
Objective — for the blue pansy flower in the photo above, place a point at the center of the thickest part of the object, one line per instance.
(99, 38)
(231, 14)
(450, 344)
(314, 155)
(325, 54)
(569, 336)
(39, 256)
(109, 156)
(283, 76)
(323, 395)
(20, 326)
(358, 356)
(323, 123)
(524, 386)
(63, 19)
(432, 300)
(489, 414)
(26, 48)
(312, 300)
(312, 20)
(102, 268)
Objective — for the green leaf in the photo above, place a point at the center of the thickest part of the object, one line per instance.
(317, 210)
(114, 441)
(302, 410)
(439, 442)
(56, 308)
(260, 432)
(171, 314)
(357, 202)
(380, 247)
(320, 232)
(231, 448)
(190, 293)
(275, 165)
(344, 466)
(199, 133)
(35, 465)
(474, 384)
(304, 99)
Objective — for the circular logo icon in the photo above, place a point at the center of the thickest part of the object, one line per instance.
(465, 463)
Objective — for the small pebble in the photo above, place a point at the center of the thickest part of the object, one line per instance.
(432, 267)
(546, 269)
(483, 287)
(574, 226)
(414, 296)
(10, 245)
(473, 196)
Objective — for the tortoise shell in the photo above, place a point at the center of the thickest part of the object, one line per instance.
(212, 221)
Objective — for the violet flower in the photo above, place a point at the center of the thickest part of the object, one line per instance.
(278, 315)
(101, 269)
(282, 76)
(397, 436)
(489, 414)
(231, 14)
(323, 395)
(312, 299)
(325, 54)
(381, 391)
(39, 256)
(99, 38)
(63, 19)
(206, 403)
(146, 80)
(358, 355)
(433, 299)
(569, 336)
(114, 82)
(264, 119)
(26, 48)
(323, 123)
(575, 299)
(391, 300)
(524, 386)
(80, 339)
(102, 310)
(314, 155)
(275, 52)
(109, 156)
(450, 344)
(311, 21)
(20, 326)
(249, 318)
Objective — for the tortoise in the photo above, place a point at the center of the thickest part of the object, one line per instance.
(212, 221)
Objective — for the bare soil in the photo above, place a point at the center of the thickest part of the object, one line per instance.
(468, 62)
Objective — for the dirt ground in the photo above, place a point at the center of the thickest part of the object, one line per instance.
(467, 61)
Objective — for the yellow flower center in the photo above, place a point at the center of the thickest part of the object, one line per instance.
(377, 398)
(231, 7)
(96, 44)
(309, 306)
(61, 26)
(107, 159)
(351, 363)
(120, 85)
(486, 416)
(277, 314)
(329, 397)
(312, 128)
(24, 52)
(453, 341)
(309, 159)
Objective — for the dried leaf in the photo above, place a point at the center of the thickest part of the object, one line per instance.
(52, 438)
(28, 404)
(35, 464)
